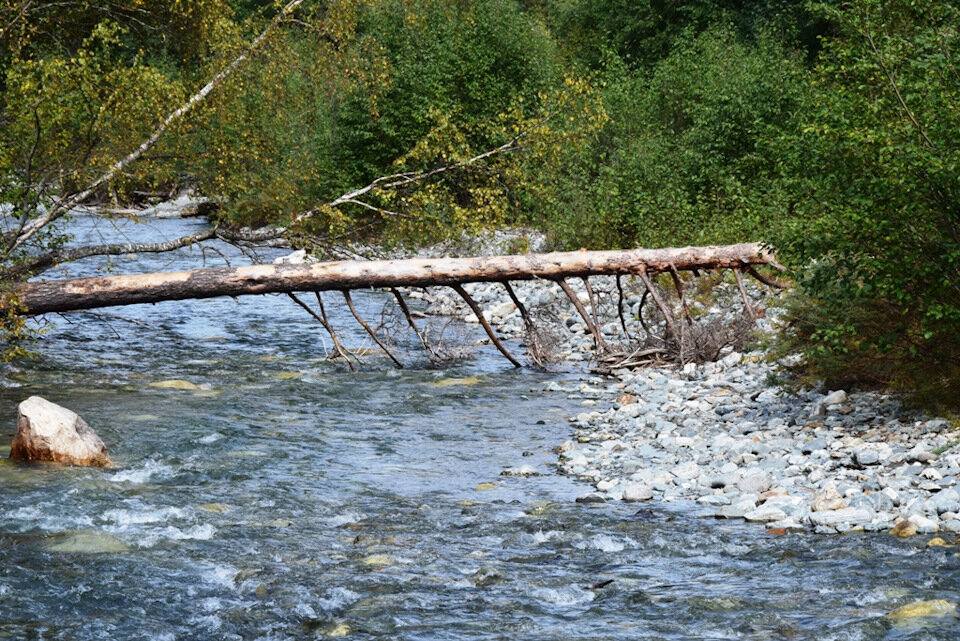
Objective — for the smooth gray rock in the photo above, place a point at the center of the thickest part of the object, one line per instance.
(947, 500)
(951, 526)
(864, 457)
(755, 483)
(812, 446)
(734, 511)
(686, 471)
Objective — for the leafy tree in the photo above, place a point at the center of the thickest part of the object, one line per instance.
(874, 185)
(685, 158)
(641, 33)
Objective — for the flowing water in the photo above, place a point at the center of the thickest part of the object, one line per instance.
(262, 491)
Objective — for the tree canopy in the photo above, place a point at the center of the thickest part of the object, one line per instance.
(825, 129)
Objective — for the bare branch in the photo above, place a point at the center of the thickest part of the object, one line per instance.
(743, 294)
(406, 178)
(483, 322)
(322, 318)
(51, 259)
(369, 330)
(896, 90)
(598, 337)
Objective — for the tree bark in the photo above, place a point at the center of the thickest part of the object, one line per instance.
(108, 291)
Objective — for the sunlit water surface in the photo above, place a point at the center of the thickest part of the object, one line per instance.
(289, 498)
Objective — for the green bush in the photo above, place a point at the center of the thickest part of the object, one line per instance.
(685, 158)
(873, 179)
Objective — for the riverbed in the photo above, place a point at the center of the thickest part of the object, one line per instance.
(263, 491)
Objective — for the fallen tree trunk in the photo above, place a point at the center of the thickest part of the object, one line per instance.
(108, 291)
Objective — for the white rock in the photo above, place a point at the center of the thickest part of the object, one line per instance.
(924, 525)
(298, 257)
(850, 515)
(607, 484)
(687, 471)
(765, 514)
(48, 432)
(503, 309)
(835, 398)
(634, 493)
(892, 493)
(731, 359)
(932, 474)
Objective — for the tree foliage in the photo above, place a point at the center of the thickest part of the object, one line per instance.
(825, 129)
(873, 177)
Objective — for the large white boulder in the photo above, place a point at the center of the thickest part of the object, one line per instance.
(49, 432)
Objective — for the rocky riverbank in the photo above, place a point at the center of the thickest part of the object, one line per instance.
(724, 435)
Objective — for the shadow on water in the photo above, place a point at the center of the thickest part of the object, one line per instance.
(265, 492)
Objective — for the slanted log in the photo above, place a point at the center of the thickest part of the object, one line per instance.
(107, 291)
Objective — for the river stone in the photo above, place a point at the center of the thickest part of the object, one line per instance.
(175, 383)
(523, 470)
(635, 493)
(947, 501)
(765, 514)
(755, 483)
(812, 446)
(827, 499)
(952, 526)
(687, 471)
(935, 608)
(847, 516)
(903, 528)
(591, 498)
(736, 511)
(835, 398)
(866, 456)
(713, 499)
(49, 432)
(924, 525)
(88, 542)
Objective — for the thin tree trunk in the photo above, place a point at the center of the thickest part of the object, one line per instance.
(68, 203)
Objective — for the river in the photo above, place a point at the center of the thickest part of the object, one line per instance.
(273, 494)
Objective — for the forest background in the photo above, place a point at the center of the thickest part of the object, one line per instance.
(830, 131)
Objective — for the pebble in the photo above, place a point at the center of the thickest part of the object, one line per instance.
(903, 528)
(765, 514)
(718, 434)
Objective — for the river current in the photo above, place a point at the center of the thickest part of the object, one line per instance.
(263, 491)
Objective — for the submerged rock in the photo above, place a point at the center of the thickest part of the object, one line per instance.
(49, 432)
(176, 383)
(88, 542)
(935, 608)
(523, 470)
